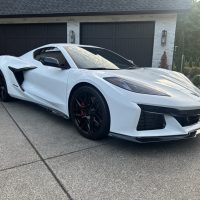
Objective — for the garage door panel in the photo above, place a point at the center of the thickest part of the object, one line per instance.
(141, 54)
(20, 38)
(137, 30)
(36, 30)
(144, 52)
(101, 30)
(1, 31)
(57, 31)
(54, 40)
(133, 40)
(106, 42)
(36, 43)
(2, 46)
(129, 30)
(17, 48)
(14, 30)
(125, 47)
(1, 39)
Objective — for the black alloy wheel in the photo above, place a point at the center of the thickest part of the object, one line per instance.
(4, 96)
(89, 112)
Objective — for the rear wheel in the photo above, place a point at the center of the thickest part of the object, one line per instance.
(4, 96)
(89, 112)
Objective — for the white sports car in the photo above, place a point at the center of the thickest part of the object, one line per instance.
(103, 93)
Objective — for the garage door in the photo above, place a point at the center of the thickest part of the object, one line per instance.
(132, 40)
(20, 38)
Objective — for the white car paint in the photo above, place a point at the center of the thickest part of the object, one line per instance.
(51, 87)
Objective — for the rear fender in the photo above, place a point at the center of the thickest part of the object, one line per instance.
(13, 68)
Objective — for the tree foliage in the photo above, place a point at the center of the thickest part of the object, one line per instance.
(188, 37)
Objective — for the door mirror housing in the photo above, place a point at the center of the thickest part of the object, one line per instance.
(49, 61)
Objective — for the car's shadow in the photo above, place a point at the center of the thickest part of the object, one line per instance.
(181, 147)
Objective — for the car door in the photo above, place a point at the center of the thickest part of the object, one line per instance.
(47, 84)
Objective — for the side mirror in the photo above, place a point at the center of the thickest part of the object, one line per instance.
(49, 61)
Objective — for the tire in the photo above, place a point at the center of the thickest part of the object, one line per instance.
(4, 96)
(89, 112)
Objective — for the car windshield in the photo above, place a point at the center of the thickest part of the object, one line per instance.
(97, 58)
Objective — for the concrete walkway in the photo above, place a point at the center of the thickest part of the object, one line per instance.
(43, 157)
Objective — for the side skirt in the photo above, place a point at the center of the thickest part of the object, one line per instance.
(54, 111)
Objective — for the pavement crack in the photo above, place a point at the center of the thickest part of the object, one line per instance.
(77, 151)
(21, 165)
(38, 153)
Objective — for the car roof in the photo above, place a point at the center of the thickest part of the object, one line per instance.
(68, 44)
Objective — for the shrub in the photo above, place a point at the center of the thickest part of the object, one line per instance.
(187, 71)
(196, 80)
(190, 72)
(195, 71)
(163, 62)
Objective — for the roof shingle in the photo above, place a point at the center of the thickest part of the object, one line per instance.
(88, 7)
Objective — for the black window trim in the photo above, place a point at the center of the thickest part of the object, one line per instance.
(40, 50)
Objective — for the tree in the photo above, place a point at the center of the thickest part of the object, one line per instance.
(188, 35)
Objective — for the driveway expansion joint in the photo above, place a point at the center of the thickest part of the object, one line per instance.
(21, 165)
(77, 151)
(39, 155)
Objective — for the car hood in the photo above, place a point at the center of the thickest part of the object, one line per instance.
(172, 83)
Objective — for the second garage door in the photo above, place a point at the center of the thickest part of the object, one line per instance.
(134, 40)
(17, 39)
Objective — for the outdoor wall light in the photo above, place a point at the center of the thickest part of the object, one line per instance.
(164, 38)
(72, 37)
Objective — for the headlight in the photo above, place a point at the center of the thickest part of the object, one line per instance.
(134, 86)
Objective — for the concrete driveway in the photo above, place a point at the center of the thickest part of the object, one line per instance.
(43, 157)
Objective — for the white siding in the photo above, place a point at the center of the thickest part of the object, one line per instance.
(74, 26)
(169, 24)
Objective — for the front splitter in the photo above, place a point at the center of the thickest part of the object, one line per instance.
(157, 138)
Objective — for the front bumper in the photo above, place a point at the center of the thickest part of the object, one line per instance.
(177, 125)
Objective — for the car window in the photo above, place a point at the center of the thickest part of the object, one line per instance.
(51, 52)
(111, 56)
(97, 58)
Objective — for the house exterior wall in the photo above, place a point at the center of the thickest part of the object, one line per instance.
(169, 24)
(162, 22)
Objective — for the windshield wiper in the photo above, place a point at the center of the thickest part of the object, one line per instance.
(100, 68)
(133, 67)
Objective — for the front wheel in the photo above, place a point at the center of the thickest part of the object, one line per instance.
(89, 112)
(4, 96)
